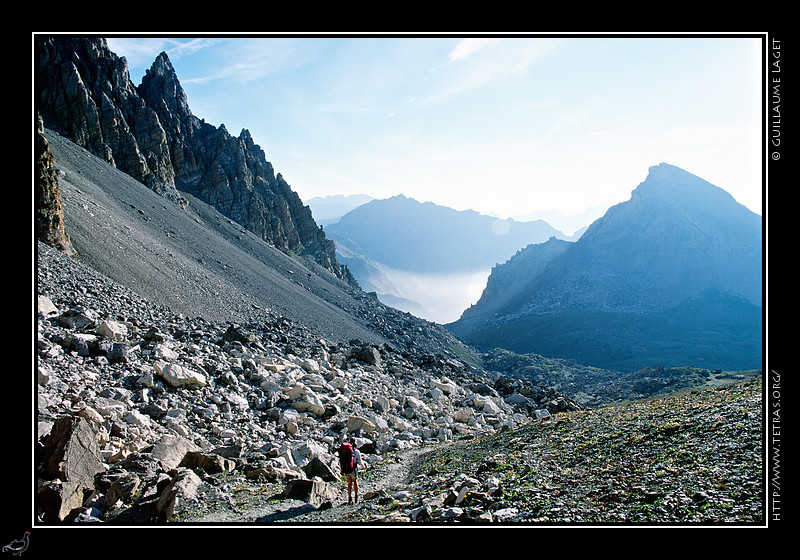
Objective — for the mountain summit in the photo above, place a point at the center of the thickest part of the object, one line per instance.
(673, 275)
(677, 237)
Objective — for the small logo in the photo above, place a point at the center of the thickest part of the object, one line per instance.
(18, 546)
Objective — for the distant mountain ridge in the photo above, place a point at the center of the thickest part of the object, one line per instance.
(405, 234)
(424, 258)
(84, 92)
(508, 280)
(330, 209)
(675, 273)
(671, 277)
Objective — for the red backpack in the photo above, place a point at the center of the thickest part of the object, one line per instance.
(346, 457)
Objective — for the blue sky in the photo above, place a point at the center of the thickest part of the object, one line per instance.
(506, 126)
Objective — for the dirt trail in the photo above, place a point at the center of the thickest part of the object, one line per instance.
(254, 504)
(385, 479)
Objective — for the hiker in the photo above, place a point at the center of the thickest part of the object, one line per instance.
(349, 461)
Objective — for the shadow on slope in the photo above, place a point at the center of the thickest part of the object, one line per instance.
(715, 331)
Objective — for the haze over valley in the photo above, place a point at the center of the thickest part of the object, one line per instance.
(424, 258)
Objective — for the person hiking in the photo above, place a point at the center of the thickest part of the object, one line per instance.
(349, 461)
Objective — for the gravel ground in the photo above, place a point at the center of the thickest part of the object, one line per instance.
(193, 261)
(689, 458)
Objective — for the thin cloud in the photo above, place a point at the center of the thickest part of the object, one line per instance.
(185, 49)
(475, 63)
(468, 47)
(140, 52)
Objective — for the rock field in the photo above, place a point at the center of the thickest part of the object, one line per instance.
(147, 398)
(692, 458)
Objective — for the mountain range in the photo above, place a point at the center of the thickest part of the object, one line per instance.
(405, 234)
(671, 276)
(200, 350)
(426, 258)
(191, 218)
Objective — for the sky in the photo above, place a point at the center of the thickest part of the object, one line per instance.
(509, 126)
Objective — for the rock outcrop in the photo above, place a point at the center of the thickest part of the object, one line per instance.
(84, 92)
(49, 209)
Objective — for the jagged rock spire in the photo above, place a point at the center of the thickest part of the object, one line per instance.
(84, 92)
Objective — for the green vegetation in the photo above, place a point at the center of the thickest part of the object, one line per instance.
(689, 457)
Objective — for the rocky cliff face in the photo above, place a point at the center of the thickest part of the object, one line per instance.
(49, 216)
(84, 92)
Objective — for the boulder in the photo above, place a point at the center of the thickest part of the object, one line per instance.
(163, 352)
(45, 306)
(516, 399)
(359, 424)
(184, 485)
(122, 488)
(367, 354)
(317, 468)
(314, 492)
(180, 377)
(445, 385)
(208, 462)
(486, 404)
(113, 330)
(305, 451)
(170, 450)
(77, 318)
(541, 414)
(309, 402)
(71, 460)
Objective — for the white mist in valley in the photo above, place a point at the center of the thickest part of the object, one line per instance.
(440, 298)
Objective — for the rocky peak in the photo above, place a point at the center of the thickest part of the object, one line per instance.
(669, 188)
(161, 90)
(84, 92)
(680, 260)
